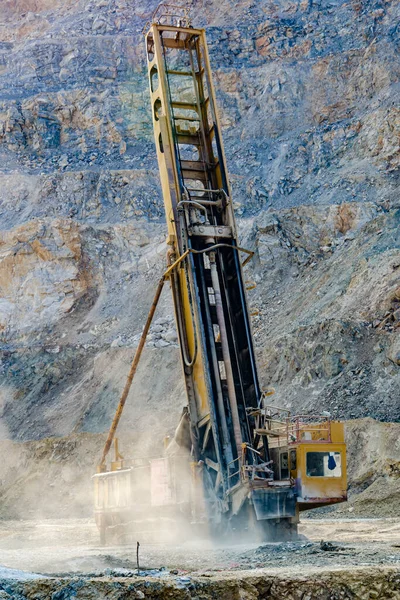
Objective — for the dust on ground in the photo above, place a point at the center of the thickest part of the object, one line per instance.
(68, 546)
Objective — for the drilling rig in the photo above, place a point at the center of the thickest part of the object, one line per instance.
(242, 465)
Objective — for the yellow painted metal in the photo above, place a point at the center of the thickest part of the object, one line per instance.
(118, 461)
(337, 431)
(169, 182)
(156, 38)
(320, 490)
(297, 436)
(329, 430)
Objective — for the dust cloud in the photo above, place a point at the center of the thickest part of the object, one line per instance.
(47, 506)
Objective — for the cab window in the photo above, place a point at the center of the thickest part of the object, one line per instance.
(324, 464)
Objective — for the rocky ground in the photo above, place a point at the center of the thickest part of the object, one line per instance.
(67, 546)
(357, 559)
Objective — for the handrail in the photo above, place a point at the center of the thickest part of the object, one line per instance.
(172, 12)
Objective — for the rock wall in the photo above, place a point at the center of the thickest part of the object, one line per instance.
(42, 276)
(329, 323)
(308, 95)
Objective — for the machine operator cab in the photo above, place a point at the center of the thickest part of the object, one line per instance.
(317, 460)
(309, 451)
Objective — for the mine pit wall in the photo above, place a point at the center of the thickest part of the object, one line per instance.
(360, 584)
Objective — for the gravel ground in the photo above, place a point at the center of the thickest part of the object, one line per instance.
(71, 546)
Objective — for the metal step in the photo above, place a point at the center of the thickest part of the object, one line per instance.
(184, 73)
(194, 119)
(188, 139)
(188, 105)
(191, 175)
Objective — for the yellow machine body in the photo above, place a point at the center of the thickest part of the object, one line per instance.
(317, 484)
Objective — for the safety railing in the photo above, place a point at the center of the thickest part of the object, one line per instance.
(282, 429)
(306, 428)
(255, 470)
(244, 468)
(170, 14)
(234, 466)
(271, 421)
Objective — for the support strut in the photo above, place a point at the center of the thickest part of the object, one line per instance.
(131, 374)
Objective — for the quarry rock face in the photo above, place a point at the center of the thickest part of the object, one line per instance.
(42, 275)
(308, 96)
